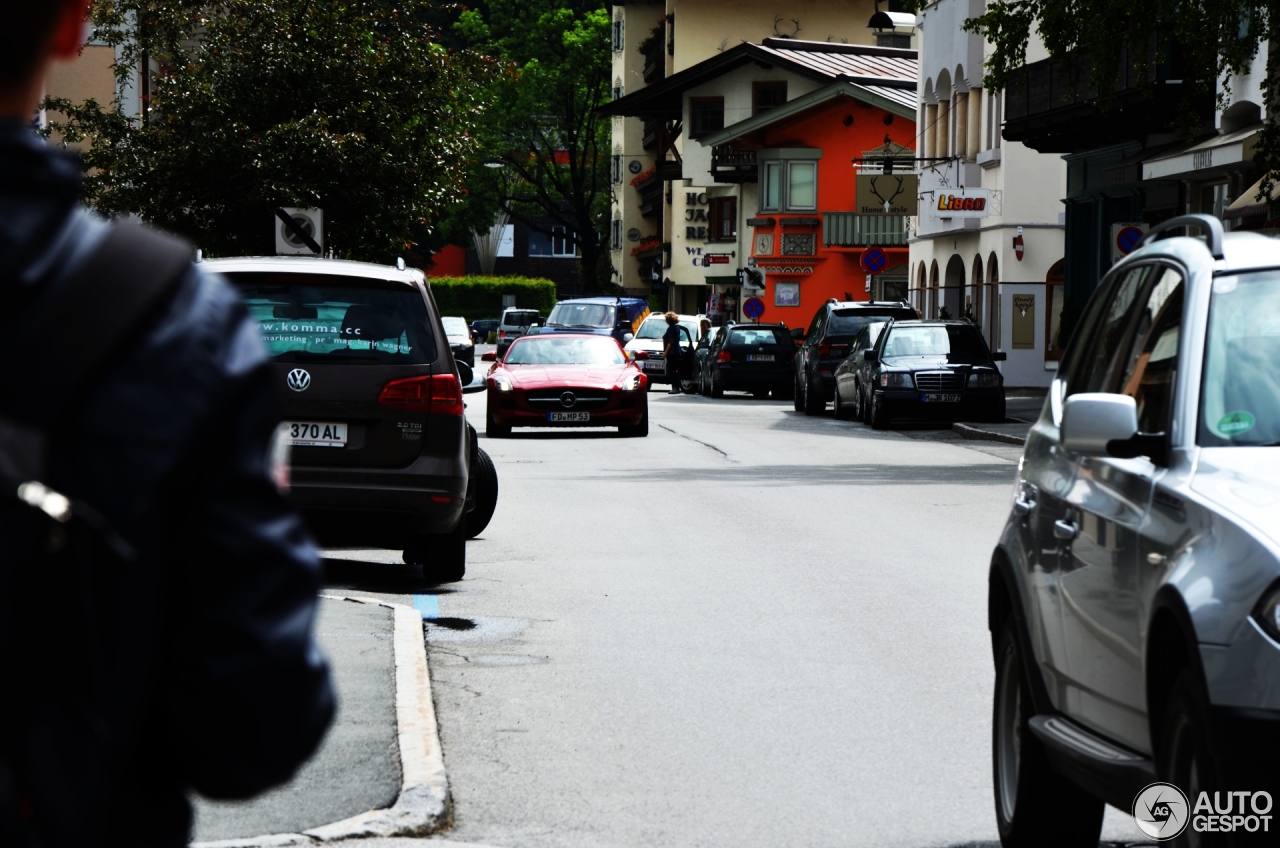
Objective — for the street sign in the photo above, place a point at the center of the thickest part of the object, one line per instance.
(299, 232)
(1019, 247)
(753, 307)
(1125, 238)
(888, 194)
(874, 260)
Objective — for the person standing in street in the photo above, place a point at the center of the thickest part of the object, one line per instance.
(157, 590)
(671, 350)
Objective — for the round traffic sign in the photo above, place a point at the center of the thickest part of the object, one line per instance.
(874, 260)
(1127, 239)
(753, 307)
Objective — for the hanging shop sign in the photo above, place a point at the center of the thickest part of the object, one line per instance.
(888, 194)
(961, 203)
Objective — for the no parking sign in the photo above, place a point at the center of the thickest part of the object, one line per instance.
(753, 307)
(1125, 238)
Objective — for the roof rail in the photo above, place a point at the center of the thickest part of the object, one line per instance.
(1211, 225)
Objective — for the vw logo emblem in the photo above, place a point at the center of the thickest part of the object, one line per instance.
(299, 380)
(567, 400)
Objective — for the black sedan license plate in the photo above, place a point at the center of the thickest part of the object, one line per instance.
(565, 417)
(759, 357)
(940, 398)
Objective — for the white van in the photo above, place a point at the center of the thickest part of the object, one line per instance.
(514, 324)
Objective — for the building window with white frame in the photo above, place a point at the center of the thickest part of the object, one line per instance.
(560, 244)
(615, 235)
(770, 186)
(615, 168)
(619, 31)
(802, 186)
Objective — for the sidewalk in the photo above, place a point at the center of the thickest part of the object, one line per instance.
(357, 767)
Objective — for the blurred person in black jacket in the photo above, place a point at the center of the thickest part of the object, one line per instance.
(187, 662)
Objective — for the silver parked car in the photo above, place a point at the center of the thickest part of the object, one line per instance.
(1135, 591)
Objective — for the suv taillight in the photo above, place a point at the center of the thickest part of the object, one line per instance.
(824, 349)
(723, 356)
(439, 393)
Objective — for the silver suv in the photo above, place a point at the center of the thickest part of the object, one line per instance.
(1134, 598)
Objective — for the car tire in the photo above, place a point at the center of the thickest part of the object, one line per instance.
(632, 431)
(443, 558)
(879, 414)
(486, 492)
(1035, 806)
(1184, 754)
(857, 402)
(813, 402)
(797, 395)
(717, 390)
(493, 429)
(704, 388)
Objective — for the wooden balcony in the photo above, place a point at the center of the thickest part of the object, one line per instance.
(655, 55)
(733, 166)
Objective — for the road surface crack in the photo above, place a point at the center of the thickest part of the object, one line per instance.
(699, 441)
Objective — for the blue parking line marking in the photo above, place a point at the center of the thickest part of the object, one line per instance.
(428, 605)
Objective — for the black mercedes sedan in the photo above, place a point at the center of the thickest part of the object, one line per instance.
(940, 370)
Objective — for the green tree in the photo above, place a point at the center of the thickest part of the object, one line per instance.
(353, 106)
(1215, 40)
(542, 123)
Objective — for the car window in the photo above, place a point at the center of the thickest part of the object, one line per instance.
(848, 322)
(1148, 368)
(552, 350)
(816, 323)
(1104, 329)
(758, 336)
(586, 315)
(1240, 394)
(958, 343)
(652, 328)
(312, 317)
(455, 326)
(519, 319)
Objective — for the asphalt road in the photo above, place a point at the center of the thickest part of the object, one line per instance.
(750, 628)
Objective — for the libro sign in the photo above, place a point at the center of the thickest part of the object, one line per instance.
(962, 203)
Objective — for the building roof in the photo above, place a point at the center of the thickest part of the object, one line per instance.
(895, 100)
(890, 72)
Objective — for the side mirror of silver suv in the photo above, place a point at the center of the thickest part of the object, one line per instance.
(1092, 420)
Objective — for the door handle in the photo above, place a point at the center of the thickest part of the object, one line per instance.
(1022, 507)
(1066, 530)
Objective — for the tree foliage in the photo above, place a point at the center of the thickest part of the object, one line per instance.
(542, 122)
(1215, 40)
(353, 106)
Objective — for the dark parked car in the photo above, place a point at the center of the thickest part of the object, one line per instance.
(851, 373)
(933, 369)
(752, 358)
(701, 360)
(372, 404)
(481, 329)
(834, 327)
(459, 336)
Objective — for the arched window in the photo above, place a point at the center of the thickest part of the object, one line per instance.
(973, 306)
(993, 302)
(933, 291)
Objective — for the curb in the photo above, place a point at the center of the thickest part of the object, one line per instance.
(423, 805)
(970, 432)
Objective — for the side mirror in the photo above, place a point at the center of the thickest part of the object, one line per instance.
(465, 374)
(798, 334)
(626, 337)
(999, 356)
(489, 356)
(871, 356)
(533, 327)
(1092, 421)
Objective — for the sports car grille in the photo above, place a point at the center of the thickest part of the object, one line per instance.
(939, 381)
(583, 398)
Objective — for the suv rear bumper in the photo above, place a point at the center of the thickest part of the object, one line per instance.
(382, 506)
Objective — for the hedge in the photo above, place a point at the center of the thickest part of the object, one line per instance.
(477, 297)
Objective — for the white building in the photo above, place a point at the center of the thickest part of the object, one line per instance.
(964, 261)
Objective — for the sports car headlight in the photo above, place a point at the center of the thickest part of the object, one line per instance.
(1267, 612)
(630, 384)
(502, 383)
(896, 380)
(984, 379)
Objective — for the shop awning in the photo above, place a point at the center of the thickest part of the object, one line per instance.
(1247, 204)
(1213, 154)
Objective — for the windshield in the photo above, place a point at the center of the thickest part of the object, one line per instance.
(849, 322)
(956, 343)
(758, 336)
(550, 350)
(311, 317)
(1240, 397)
(455, 327)
(519, 319)
(592, 315)
(654, 328)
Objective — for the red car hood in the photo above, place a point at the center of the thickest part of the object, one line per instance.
(550, 376)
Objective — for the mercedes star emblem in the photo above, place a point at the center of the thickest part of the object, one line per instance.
(299, 380)
(567, 400)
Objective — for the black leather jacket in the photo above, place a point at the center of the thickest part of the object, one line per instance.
(207, 643)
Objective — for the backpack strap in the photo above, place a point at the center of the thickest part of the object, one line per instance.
(99, 307)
